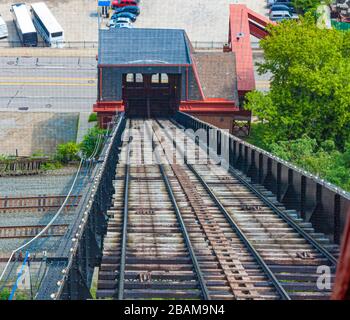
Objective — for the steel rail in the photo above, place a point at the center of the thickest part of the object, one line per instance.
(285, 217)
(125, 225)
(281, 291)
(237, 174)
(199, 273)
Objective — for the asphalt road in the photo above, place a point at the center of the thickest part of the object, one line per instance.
(56, 84)
(48, 84)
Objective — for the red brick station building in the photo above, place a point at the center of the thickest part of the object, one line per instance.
(156, 72)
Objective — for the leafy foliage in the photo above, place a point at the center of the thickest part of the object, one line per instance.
(53, 165)
(310, 85)
(67, 152)
(305, 117)
(4, 294)
(90, 141)
(325, 161)
(93, 117)
(321, 159)
(307, 5)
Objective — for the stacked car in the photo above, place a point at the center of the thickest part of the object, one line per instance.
(281, 10)
(124, 14)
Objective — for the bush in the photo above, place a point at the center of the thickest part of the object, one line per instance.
(54, 165)
(93, 117)
(5, 294)
(38, 154)
(67, 152)
(89, 142)
(323, 160)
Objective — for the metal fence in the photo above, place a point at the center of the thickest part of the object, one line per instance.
(69, 274)
(343, 26)
(67, 44)
(199, 45)
(324, 205)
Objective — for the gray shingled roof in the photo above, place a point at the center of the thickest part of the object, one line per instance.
(143, 46)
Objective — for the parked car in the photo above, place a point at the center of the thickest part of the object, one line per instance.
(132, 9)
(272, 2)
(123, 3)
(3, 28)
(128, 15)
(122, 23)
(280, 15)
(288, 4)
(280, 7)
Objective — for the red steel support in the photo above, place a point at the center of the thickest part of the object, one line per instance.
(243, 23)
(241, 46)
(342, 282)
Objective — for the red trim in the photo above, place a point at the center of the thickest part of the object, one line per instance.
(108, 106)
(212, 106)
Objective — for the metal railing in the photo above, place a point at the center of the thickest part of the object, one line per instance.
(199, 45)
(81, 246)
(66, 44)
(317, 201)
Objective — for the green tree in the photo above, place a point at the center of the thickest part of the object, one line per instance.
(67, 152)
(310, 85)
(323, 160)
(307, 5)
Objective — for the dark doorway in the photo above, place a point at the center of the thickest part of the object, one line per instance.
(151, 95)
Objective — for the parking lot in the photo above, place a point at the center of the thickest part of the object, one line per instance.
(78, 18)
(203, 20)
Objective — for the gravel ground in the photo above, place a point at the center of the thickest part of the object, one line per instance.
(32, 219)
(58, 182)
(202, 20)
(53, 184)
(47, 244)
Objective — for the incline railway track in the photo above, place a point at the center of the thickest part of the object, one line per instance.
(196, 231)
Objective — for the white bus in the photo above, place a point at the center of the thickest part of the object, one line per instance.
(3, 28)
(47, 25)
(24, 25)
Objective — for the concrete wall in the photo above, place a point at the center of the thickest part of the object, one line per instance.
(35, 131)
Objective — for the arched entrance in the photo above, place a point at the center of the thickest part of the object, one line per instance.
(151, 95)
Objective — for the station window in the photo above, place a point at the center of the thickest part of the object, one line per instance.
(160, 78)
(164, 78)
(138, 78)
(132, 78)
